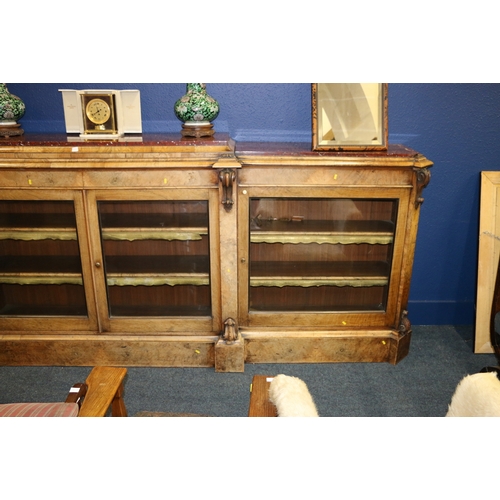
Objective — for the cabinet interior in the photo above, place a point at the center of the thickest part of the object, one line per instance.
(40, 264)
(314, 254)
(156, 257)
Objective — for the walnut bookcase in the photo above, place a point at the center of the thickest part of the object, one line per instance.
(161, 251)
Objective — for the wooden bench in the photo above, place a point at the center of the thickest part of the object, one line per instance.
(104, 389)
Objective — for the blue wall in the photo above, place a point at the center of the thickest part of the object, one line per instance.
(457, 126)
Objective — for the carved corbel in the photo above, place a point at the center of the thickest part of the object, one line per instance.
(230, 333)
(423, 177)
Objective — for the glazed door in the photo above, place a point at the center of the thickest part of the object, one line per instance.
(45, 278)
(321, 257)
(154, 256)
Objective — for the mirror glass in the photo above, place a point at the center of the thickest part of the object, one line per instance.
(350, 114)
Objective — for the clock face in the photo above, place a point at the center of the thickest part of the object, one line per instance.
(98, 111)
(99, 114)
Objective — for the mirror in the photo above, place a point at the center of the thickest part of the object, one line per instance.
(349, 116)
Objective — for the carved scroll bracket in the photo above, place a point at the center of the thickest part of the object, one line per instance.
(423, 178)
(227, 178)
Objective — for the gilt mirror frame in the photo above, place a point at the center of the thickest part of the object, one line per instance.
(349, 117)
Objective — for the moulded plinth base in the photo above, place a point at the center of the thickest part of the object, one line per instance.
(10, 129)
(202, 129)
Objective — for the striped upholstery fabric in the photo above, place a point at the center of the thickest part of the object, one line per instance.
(39, 410)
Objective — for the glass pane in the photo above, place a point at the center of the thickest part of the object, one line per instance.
(320, 254)
(40, 266)
(156, 257)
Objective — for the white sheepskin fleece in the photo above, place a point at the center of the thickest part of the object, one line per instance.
(291, 397)
(476, 395)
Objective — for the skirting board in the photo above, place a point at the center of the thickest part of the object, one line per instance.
(440, 312)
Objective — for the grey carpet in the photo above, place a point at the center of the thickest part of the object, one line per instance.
(167, 414)
(421, 385)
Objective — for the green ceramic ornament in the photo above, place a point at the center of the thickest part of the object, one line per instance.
(196, 109)
(12, 108)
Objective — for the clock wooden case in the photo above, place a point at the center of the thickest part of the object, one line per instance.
(180, 252)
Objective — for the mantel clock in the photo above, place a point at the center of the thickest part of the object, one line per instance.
(102, 114)
(99, 114)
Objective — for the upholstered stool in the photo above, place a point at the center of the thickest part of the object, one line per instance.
(39, 410)
(102, 389)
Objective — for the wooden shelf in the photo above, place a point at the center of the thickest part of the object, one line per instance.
(37, 233)
(42, 270)
(141, 271)
(148, 270)
(167, 234)
(331, 232)
(37, 226)
(309, 274)
(132, 227)
(145, 279)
